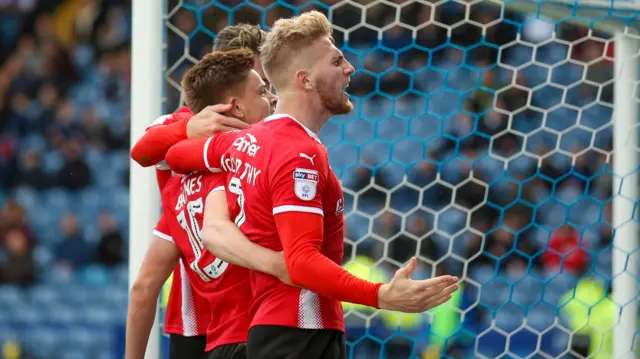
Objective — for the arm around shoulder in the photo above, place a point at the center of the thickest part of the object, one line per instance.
(226, 241)
(200, 154)
(152, 147)
(187, 156)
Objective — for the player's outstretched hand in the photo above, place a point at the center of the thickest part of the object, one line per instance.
(415, 296)
(211, 121)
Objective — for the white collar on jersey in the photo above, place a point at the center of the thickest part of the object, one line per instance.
(284, 115)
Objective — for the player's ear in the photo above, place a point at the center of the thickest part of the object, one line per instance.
(237, 110)
(303, 80)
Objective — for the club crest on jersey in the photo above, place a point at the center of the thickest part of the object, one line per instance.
(306, 183)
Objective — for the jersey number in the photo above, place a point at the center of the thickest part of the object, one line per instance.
(235, 187)
(188, 222)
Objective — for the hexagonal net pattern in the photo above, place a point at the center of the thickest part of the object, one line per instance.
(482, 143)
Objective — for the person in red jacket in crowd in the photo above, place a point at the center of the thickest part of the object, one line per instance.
(565, 251)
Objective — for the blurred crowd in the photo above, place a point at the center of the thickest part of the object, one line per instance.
(64, 84)
(458, 151)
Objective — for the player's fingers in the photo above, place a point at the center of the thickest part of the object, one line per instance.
(444, 280)
(219, 108)
(231, 122)
(449, 290)
(427, 297)
(448, 284)
(435, 291)
(443, 299)
(442, 288)
(430, 301)
(434, 294)
(222, 128)
(452, 288)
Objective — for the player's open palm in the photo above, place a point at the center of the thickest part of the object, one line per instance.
(211, 121)
(415, 296)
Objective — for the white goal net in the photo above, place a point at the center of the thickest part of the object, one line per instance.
(497, 141)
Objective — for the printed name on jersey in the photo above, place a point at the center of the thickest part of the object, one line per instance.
(306, 183)
(249, 173)
(190, 186)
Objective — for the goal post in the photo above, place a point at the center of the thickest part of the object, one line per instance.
(435, 167)
(146, 105)
(626, 156)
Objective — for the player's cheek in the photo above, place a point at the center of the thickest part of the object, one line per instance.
(267, 108)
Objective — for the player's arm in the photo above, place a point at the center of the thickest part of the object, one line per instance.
(152, 147)
(297, 190)
(201, 154)
(224, 239)
(301, 235)
(159, 262)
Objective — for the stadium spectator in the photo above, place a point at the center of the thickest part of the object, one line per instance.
(13, 217)
(62, 126)
(18, 267)
(75, 173)
(73, 251)
(30, 172)
(12, 16)
(96, 134)
(111, 247)
(566, 252)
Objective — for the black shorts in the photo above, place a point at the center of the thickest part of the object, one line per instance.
(228, 351)
(181, 347)
(277, 342)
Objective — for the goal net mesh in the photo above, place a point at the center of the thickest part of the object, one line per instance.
(481, 142)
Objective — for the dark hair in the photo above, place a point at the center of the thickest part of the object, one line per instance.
(214, 77)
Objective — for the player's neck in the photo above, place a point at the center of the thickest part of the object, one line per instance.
(307, 114)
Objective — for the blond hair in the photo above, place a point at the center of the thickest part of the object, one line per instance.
(287, 38)
(238, 36)
(217, 75)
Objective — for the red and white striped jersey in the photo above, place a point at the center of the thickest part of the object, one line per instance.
(272, 167)
(183, 303)
(185, 306)
(225, 288)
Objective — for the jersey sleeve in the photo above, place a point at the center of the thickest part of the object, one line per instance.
(152, 147)
(200, 154)
(162, 230)
(301, 235)
(172, 117)
(163, 120)
(298, 180)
